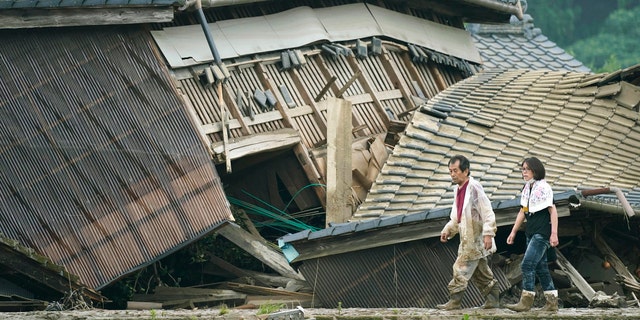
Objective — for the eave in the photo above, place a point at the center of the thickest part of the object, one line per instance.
(83, 16)
(367, 234)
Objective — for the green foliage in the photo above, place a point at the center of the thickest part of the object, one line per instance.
(270, 308)
(615, 47)
(223, 309)
(603, 35)
(556, 19)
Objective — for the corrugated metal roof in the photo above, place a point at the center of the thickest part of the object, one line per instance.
(395, 276)
(585, 140)
(520, 45)
(102, 169)
(186, 45)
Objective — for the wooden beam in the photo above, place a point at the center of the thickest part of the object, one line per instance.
(415, 75)
(327, 74)
(269, 84)
(346, 86)
(326, 88)
(313, 175)
(366, 84)
(339, 207)
(65, 17)
(242, 215)
(257, 143)
(575, 276)
(437, 76)
(260, 249)
(629, 280)
(225, 127)
(306, 96)
(394, 74)
(235, 110)
(39, 269)
(260, 118)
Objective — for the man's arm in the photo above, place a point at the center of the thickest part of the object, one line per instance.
(488, 217)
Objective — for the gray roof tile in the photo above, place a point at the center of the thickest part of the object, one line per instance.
(578, 137)
(520, 45)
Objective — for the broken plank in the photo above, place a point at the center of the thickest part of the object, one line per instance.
(196, 302)
(288, 301)
(143, 305)
(179, 293)
(576, 278)
(630, 281)
(258, 143)
(249, 289)
(259, 248)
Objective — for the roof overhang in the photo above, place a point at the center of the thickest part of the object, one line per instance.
(22, 18)
(187, 45)
(469, 10)
(367, 234)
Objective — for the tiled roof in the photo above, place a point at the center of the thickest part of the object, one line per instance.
(583, 127)
(21, 4)
(520, 45)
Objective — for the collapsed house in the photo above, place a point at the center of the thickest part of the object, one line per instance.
(130, 128)
(584, 127)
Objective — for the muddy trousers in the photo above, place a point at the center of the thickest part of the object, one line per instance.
(477, 271)
(534, 263)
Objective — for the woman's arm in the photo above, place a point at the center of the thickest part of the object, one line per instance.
(516, 226)
(553, 214)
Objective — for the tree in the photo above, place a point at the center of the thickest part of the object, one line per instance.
(600, 34)
(615, 46)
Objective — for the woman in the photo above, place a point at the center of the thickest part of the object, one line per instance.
(542, 233)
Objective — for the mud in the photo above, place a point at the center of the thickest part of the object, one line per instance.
(325, 314)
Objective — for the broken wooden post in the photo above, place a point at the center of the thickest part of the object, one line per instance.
(260, 249)
(339, 207)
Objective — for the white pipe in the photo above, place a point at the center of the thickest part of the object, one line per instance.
(623, 200)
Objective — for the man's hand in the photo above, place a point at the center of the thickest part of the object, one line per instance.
(488, 243)
(444, 237)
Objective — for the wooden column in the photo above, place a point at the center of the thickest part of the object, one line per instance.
(339, 139)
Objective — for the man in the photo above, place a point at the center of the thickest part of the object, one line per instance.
(472, 217)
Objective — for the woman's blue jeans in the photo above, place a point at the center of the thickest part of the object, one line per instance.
(535, 263)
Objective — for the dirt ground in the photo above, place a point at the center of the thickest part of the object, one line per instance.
(325, 314)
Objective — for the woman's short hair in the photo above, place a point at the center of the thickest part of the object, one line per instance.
(536, 167)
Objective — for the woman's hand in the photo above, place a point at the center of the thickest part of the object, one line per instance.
(553, 240)
(511, 237)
